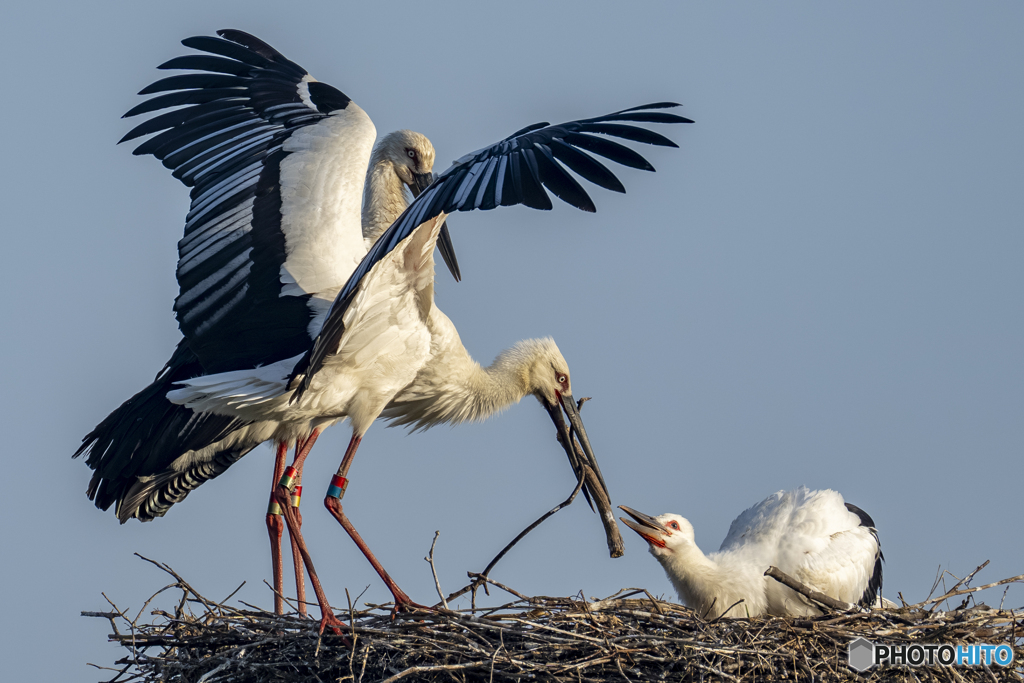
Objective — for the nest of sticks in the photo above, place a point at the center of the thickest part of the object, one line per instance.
(623, 637)
(630, 636)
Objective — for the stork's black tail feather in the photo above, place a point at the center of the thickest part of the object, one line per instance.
(874, 588)
(151, 497)
(131, 450)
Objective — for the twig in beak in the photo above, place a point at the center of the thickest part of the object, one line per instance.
(581, 455)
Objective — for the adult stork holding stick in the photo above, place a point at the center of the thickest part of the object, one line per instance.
(357, 360)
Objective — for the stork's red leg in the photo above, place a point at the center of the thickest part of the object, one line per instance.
(302, 448)
(275, 527)
(300, 574)
(283, 496)
(333, 503)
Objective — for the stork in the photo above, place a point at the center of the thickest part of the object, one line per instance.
(814, 536)
(150, 453)
(268, 150)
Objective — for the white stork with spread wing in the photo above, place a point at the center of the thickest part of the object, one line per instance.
(267, 352)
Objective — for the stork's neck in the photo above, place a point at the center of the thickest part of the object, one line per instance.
(384, 197)
(459, 390)
(480, 392)
(710, 585)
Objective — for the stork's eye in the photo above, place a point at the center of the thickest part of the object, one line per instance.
(674, 525)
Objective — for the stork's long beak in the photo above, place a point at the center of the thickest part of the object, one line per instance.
(649, 528)
(444, 240)
(594, 488)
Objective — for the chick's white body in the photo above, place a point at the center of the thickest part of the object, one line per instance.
(810, 535)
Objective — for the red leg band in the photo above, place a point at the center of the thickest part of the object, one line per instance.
(288, 478)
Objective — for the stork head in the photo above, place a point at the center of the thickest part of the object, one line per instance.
(666, 534)
(541, 368)
(412, 157)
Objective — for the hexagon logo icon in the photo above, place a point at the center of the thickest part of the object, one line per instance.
(861, 654)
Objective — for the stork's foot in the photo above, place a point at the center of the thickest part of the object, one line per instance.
(328, 620)
(403, 603)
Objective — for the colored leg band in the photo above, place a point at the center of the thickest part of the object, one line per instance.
(288, 478)
(296, 496)
(337, 487)
(273, 508)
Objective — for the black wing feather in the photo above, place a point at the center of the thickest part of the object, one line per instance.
(650, 117)
(534, 195)
(191, 81)
(527, 162)
(207, 63)
(177, 139)
(586, 166)
(264, 50)
(633, 133)
(243, 101)
(199, 113)
(230, 49)
(654, 105)
(874, 587)
(561, 184)
(609, 149)
(176, 99)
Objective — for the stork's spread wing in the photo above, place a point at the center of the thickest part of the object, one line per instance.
(513, 171)
(267, 151)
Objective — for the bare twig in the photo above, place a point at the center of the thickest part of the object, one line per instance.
(483, 579)
(232, 594)
(809, 592)
(284, 598)
(430, 558)
(1013, 579)
(962, 581)
(437, 667)
(482, 576)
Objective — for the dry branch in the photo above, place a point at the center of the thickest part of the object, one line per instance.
(808, 592)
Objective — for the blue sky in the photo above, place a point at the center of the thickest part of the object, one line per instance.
(822, 286)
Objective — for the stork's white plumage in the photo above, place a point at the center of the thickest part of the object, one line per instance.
(268, 242)
(276, 162)
(814, 536)
(193, 447)
(279, 219)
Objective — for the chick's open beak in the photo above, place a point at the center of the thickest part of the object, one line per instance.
(650, 529)
(421, 181)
